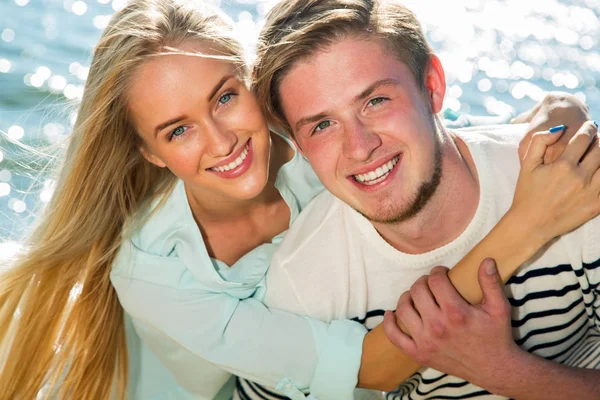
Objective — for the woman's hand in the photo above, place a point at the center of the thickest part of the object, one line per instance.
(557, 197)
(555, 109)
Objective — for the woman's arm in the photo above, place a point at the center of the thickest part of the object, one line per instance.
(191, 328)
(550, 200)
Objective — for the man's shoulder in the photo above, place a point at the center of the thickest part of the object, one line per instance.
(308, 267)
(508, 135)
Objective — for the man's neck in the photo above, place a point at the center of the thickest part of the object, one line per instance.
(448, 212)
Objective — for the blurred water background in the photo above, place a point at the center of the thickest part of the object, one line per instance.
(499, 56)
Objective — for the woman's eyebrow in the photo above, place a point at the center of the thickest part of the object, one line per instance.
(219, 85)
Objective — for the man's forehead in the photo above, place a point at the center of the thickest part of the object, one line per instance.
(337, 73)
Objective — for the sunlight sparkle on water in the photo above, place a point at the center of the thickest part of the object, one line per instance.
(5, 65)
(73, 92)
(18, 205)
(4, 189)
(79, 8)
(8, 250)
(5, 175)
(484, 85)
(101, 21)
(8, 35)
(15, 132)
(118, 4)
(54, 131)
(57, 83)
(497, 107)
(524, 88)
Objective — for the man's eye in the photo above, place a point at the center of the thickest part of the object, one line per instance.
(376, 101)
(323, 125)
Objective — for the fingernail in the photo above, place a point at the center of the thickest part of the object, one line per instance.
(490, 266)
(595, 123)
(555, 129)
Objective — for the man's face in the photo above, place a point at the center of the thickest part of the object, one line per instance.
(367, 127)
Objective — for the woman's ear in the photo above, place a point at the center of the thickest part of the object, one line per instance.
(151, 157)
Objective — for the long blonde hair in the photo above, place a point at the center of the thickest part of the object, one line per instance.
(61, 326)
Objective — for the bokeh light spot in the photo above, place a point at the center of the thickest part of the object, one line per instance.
(8, 35)
(15, 132)
(4, 189)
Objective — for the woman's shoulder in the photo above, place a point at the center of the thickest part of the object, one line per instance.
(297, 176)
(168, 216)
(166, 238)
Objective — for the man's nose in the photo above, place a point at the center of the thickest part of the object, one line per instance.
(360, 141)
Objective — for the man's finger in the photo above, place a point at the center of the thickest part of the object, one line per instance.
(423, 298)
(408, 316)
(393, 332)
(443, 290)
(494, 300)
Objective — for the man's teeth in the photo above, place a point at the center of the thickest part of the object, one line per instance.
(234, 164)
(378, 174)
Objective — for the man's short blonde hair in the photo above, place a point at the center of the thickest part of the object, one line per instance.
(295, 29)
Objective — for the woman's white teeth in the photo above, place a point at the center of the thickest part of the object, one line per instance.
(378, 174)
(234, 164)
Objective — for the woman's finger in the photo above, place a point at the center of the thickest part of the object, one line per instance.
(580, 143)
(591, 160)
(538, 146)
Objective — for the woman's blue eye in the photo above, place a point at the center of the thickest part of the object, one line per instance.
(225, 98)
(376, 101)
(323, 125)
(180, 130)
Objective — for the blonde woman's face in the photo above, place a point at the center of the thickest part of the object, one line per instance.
(197, 118)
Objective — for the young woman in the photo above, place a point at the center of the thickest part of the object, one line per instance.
(173, 182)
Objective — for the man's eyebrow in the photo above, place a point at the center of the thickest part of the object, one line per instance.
(363, 95)
(309, 120)
(172, 121)
(376, 85)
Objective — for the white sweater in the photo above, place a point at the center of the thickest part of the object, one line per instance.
(332, 264)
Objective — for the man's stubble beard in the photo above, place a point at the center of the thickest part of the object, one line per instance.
(424, 194)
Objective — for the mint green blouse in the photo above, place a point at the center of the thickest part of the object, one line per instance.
(194, 320)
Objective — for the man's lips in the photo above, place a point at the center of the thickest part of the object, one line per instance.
(377, 174)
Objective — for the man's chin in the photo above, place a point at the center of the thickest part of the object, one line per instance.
(384, 216)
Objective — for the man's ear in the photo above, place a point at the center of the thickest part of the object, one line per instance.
(150, 157)
(298, 148)
(435, 82)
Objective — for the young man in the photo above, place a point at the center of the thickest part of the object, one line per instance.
(357, 86)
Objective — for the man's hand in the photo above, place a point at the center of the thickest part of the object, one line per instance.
(475, 342)
(449, 334)
(557, 108)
